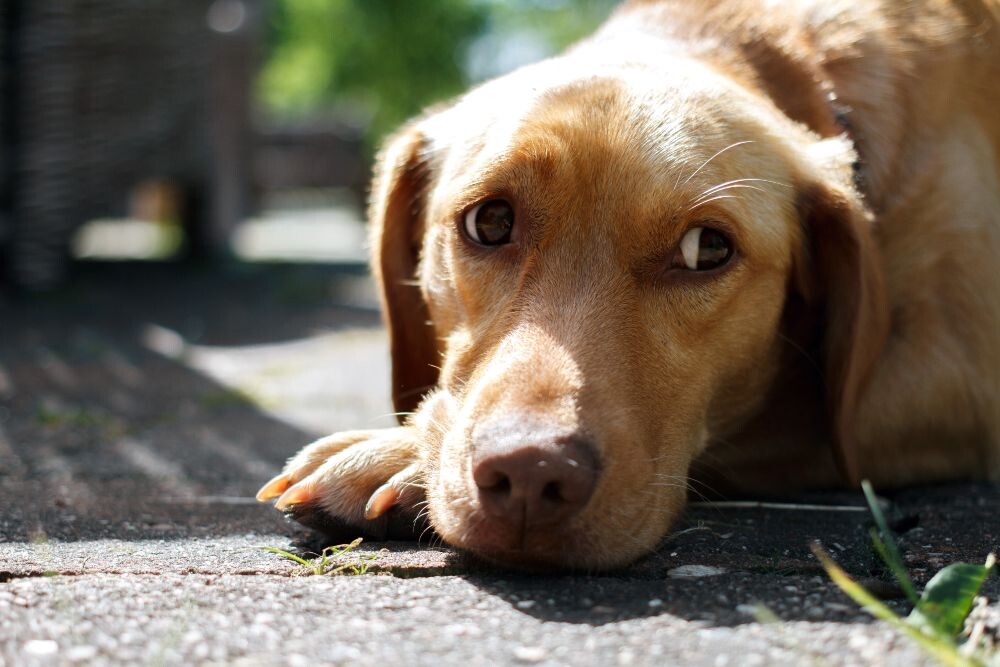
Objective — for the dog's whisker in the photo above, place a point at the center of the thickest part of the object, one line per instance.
(709, 201)
(422, 514)
(424, 532)
(688, 483)
(655, 494)
(737, 181)
(679, 482)
(735, 186)
(709, 160)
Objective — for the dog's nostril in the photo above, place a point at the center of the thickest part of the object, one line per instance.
(501, 486)
(552, 492)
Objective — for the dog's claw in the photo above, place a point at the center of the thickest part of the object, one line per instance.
(296, 495)
(384, 498)
(274, 488)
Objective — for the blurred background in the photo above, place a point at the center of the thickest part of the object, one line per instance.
(184, 295)
(227, 130)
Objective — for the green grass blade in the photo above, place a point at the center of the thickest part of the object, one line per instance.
(763, 614)
(287, 554)
(886, 547)
(948, 597)
(944, 651)
(897, 569)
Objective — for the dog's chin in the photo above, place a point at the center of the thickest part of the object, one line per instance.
(549, 548)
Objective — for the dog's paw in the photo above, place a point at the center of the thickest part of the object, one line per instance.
(369, 480)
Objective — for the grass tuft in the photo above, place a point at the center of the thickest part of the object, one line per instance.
(938, 620)
(331, 561)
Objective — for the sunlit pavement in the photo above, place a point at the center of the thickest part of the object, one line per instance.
(141, 407)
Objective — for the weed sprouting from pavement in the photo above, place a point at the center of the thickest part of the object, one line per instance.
(333, 560)
(940, 620)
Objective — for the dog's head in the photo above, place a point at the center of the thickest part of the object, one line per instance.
(584, 280)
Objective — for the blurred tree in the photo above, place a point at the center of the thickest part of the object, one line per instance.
(385, 58)
(388, 59)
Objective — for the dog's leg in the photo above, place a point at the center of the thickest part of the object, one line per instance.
(353, 478)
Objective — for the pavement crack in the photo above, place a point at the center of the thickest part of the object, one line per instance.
(7, 577)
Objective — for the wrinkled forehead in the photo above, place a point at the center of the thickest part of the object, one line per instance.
(660, 123)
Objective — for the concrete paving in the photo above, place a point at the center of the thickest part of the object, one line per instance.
(141, 407)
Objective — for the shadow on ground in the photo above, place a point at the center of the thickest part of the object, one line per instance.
(110, 425)
(723, 566)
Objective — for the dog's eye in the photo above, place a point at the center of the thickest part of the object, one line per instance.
(704, 249)
(490, 223)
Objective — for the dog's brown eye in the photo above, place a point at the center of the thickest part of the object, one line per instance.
(704, 249)
(490, 223)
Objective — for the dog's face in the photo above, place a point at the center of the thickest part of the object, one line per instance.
(603, 267)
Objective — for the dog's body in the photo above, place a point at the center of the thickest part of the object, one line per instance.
(751, 241)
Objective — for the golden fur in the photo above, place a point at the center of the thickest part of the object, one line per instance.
(855, 334)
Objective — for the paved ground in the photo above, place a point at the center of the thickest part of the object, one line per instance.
(141, 408)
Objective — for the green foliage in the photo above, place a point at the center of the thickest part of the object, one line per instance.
(939, 615)
(885, 546)
(389, 59)
(55, 417)
(332, 560)
(948, 598)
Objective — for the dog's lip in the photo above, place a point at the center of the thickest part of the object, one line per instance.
(539, 549)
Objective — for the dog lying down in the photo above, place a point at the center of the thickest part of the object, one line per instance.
(751, 244)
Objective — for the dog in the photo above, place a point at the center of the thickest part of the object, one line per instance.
(750, 244)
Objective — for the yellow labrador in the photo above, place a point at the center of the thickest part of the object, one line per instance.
(750, 241)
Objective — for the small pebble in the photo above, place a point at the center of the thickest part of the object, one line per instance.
(694, 571)
(41, 647)
(81, 653)
(530, 653)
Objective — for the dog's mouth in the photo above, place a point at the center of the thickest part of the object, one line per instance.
(597, 538)
(580, 548)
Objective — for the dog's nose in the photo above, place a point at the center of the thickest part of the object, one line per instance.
(536, 484)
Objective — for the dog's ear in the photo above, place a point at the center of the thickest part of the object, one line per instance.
(841, 270)
(396, 216)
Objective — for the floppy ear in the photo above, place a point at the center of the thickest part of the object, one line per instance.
(396, 214)
(842, 270)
